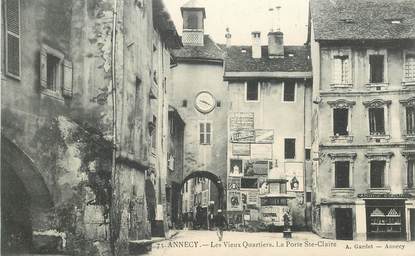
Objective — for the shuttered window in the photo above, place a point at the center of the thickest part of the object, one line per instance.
(12, 14)
(341, 72)
(410, 67)
(55, 72)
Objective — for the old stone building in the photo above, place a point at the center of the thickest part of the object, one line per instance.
(269, 90)
(199, 96)
(363, 118)
(175, 168)
(84, 122)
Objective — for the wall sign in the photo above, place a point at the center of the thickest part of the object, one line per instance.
(241, 121)
(383, 195)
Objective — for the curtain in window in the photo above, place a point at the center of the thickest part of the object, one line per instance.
(377, 174)
(376, 121)
(410, 173)
(410, 120)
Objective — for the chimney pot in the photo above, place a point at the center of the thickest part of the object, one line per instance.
(256, 44)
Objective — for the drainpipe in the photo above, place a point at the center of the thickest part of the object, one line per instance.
(114, 118)
(305, 164)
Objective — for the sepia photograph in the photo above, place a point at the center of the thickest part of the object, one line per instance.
(207, 127)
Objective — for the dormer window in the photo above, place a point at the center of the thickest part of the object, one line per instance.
(394, 21)
(347, 20)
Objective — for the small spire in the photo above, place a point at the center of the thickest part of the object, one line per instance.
(228, 37)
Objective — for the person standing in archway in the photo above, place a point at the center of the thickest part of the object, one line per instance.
(220, 223)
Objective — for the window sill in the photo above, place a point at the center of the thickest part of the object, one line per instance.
(340, 85)
(53, 94)
(409, 190)
(379, 190)
(342, 191)
(408, 83)
(342, 138)
(378, 138)
(377, 86)
(409, 137)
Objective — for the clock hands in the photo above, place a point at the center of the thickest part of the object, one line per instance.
(205, 102)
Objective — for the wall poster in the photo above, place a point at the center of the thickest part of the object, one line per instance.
(235, 168)
(234, 201)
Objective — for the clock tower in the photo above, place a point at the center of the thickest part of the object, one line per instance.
(194, 15)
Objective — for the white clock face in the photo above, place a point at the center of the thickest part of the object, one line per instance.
(205, 102)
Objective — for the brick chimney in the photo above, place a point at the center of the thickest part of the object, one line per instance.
(256, 45)
(276, 44)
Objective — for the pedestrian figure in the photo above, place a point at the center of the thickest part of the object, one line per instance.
(184, 219)
(220, 222)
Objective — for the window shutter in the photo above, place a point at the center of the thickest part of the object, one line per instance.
(67, 79)
(337, 70)
(43, 69)
(13, 38)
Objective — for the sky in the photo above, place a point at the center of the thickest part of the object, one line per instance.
(244, 16)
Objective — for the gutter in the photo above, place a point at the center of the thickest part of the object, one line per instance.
(275, 74)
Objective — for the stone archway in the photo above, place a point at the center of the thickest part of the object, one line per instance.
(25, 198)
(215, 179)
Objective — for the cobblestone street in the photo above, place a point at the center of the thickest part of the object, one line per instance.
(302, 243)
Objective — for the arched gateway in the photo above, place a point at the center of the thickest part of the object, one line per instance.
(215, 180)
(25, 197)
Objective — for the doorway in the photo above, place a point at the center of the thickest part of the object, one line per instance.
(344, 224)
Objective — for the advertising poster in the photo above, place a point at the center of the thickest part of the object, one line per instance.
(256, 168)
(264, 136)
(235, 168)
(234, 201)
(261, 151)
(294, 175)
(241, 149)
(234, 183)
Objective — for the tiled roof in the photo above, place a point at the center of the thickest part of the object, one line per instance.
(164, 24)
(239, 59)
(363, 19)
(210, 51)
(194, 4)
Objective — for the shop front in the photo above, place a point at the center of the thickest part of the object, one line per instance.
(385, 216)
